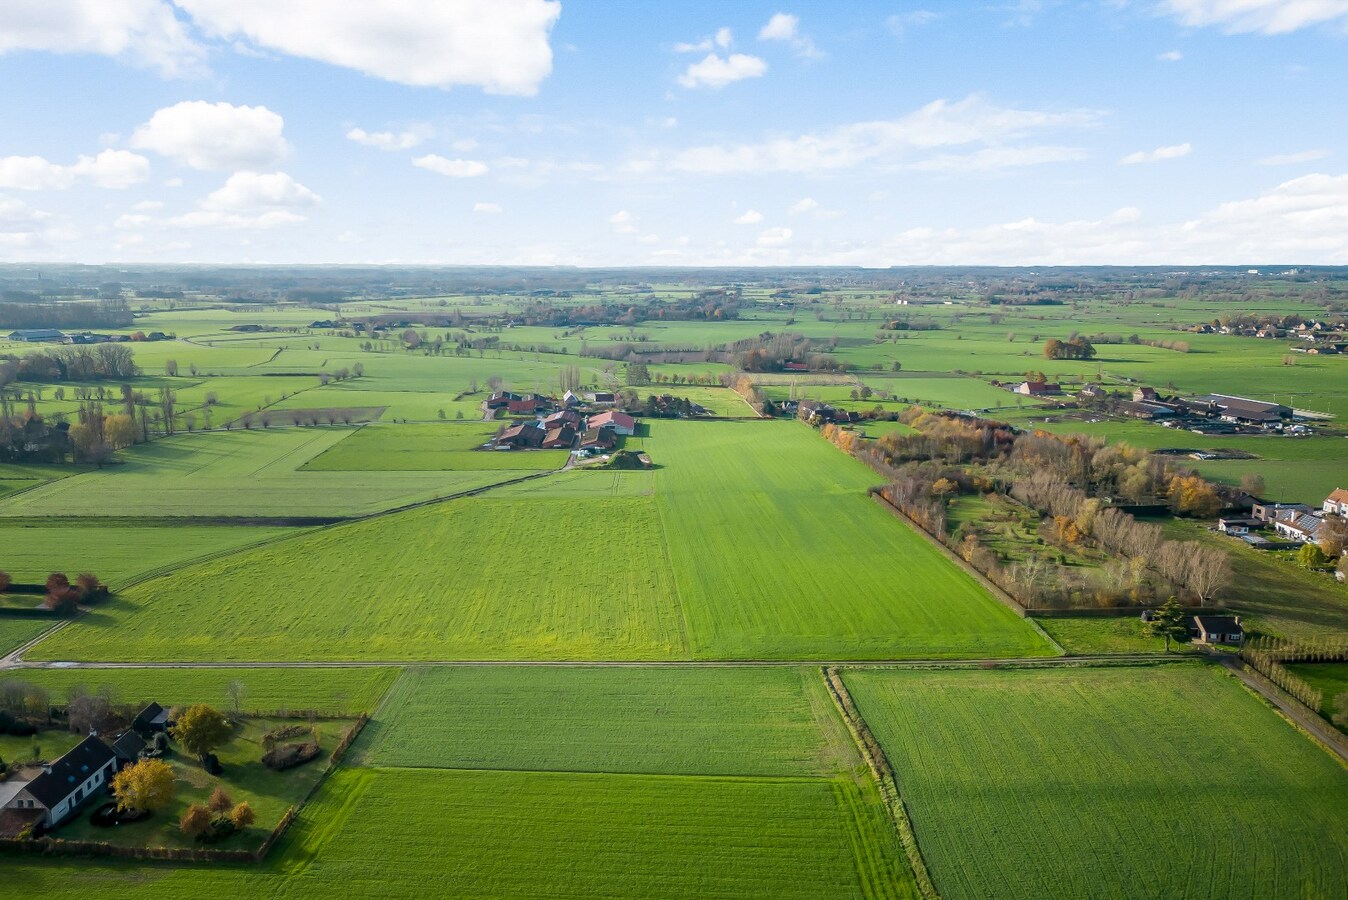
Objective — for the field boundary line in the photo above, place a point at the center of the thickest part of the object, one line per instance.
(13, 657)
(1296, 713)
(875, 758)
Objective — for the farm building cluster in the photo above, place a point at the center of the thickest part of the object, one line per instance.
(585, 425)
(1294, 523)
(1201, 414)
(45, 798)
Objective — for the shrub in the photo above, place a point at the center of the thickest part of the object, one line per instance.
(90, 588)
(195, 821)
(241, 816)
(220, 800)
(281, 732)
(287, 756)
(5, 582)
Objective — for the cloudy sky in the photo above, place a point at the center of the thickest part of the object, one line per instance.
(593, 132)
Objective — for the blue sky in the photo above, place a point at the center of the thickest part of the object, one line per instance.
(693, 133)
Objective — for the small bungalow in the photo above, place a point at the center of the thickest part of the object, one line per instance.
(67, 783)
(1218, 630)
(1234, 525)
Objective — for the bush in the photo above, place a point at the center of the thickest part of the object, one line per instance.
(281, 732)
(195, 821)
(241, 816)
(5, 582)
(220, 800)
(287, 756)
(211, 763)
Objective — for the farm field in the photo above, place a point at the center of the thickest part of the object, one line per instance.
(769, 721)
(328, 691)
(1331, 679)
(818, 570)
(997, 767)
(15, 631)
(429, 448)
(379, 601)
(236, 473)
(115, 551)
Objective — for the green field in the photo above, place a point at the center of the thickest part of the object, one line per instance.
(235, 473)
(328, 691)
(16, 631)
(778, 553)
(429, 448)
(1331, 679)
(1108, 783)
(657, 721)
(115, 551)
(364, 591)
(1091, 634)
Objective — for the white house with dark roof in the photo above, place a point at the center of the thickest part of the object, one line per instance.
(65, 784)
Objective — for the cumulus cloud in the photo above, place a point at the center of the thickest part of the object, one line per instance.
(940, 124)
(785, 27)
(803, 205)
(141, 32)
(1268, 17)
(1291, 159)
(1170, 56)
(723, 39)
(251, 200)
(453, 168)
(749, 217)
(718, 71)
(623, 222)
(491, 209)
(1160, 153)
(501, 47)
(214, 136)
(388, 140)
(774, 237)
(114, 169)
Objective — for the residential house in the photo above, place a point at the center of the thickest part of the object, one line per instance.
(1218, 630)
(1336, 503)
(563, 418)
(1235, 525)
(1266, 511)
(1301, 527)
(1145, 395)
(569, 399)
(619, 422)
(151, 720)
(527, 436)
(559, 438)
(58, 792)
(128, 746)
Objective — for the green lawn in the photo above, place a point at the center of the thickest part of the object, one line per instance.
(329, 691)
(1162, 782)
(471, 579)
(658, 721)
(235, 473)
(115, 551)
(429, 448)
(778, 553)
(1091, 634)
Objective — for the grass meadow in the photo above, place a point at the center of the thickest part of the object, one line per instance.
(778, 553)
(14, 632)
(234, 473)
(429, 448)
(510, 581)
(1110, 782)
(761, 721)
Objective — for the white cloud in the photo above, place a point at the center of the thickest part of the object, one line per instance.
(623, 222)
(1160, 153)
(775, 237)
(114, 169)
(131, 221)
(936, 125)
(996, 159)
(141, 32)
(1263, 16)
(499, 46)
(900, 23)
(1170, 56)
(1291, 159)
(749, 217)
(723, 39)
(214, 136)
(803, 205)
(785, 27)
(251, 191)
(491, 209)
(388, 140)
(716, 71)
(454, 168)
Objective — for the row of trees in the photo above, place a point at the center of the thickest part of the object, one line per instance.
(75, 362)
